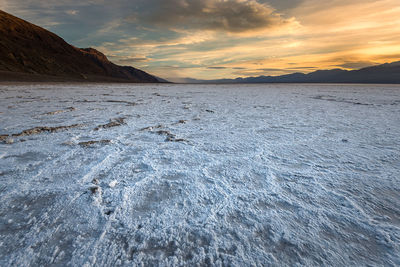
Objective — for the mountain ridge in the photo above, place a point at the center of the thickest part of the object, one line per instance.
(387, 73)
(31, 53)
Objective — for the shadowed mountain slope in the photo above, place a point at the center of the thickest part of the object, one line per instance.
(31, 53)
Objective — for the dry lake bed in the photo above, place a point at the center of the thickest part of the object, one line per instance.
(222, 175)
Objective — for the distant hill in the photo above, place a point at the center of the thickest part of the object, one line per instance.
(386, 73)
(31, 53)
(161, 80)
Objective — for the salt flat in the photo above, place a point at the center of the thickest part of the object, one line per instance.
(103, 175)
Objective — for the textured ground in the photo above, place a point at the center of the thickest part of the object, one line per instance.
(184, 175)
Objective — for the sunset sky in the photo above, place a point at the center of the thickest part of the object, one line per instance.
(225, 38)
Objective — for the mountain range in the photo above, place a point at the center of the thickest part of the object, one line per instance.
(31, 53)
(388, 73)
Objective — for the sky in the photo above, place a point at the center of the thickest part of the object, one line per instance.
(211, 39)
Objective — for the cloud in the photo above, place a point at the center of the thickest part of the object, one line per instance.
(270, 69)
(131, 59)
(216, 68)
(72, 12)
(303, 68)
(357, 64)
(234, 16)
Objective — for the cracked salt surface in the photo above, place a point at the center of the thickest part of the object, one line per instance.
(199, 175)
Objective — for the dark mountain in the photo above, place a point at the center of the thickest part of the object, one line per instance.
(161, 80)
(386, 73)
(31, 53)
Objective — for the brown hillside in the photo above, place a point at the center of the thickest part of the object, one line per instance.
(37, 53)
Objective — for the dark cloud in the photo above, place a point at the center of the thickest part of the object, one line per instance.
(223, 68)
(271, 69)
(216, 68)
(223, 15)
(132, 59)
(284, 4)
(303, 68)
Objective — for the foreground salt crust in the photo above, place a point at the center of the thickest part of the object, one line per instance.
(101, 175)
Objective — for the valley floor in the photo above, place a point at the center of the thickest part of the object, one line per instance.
(105, 174)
